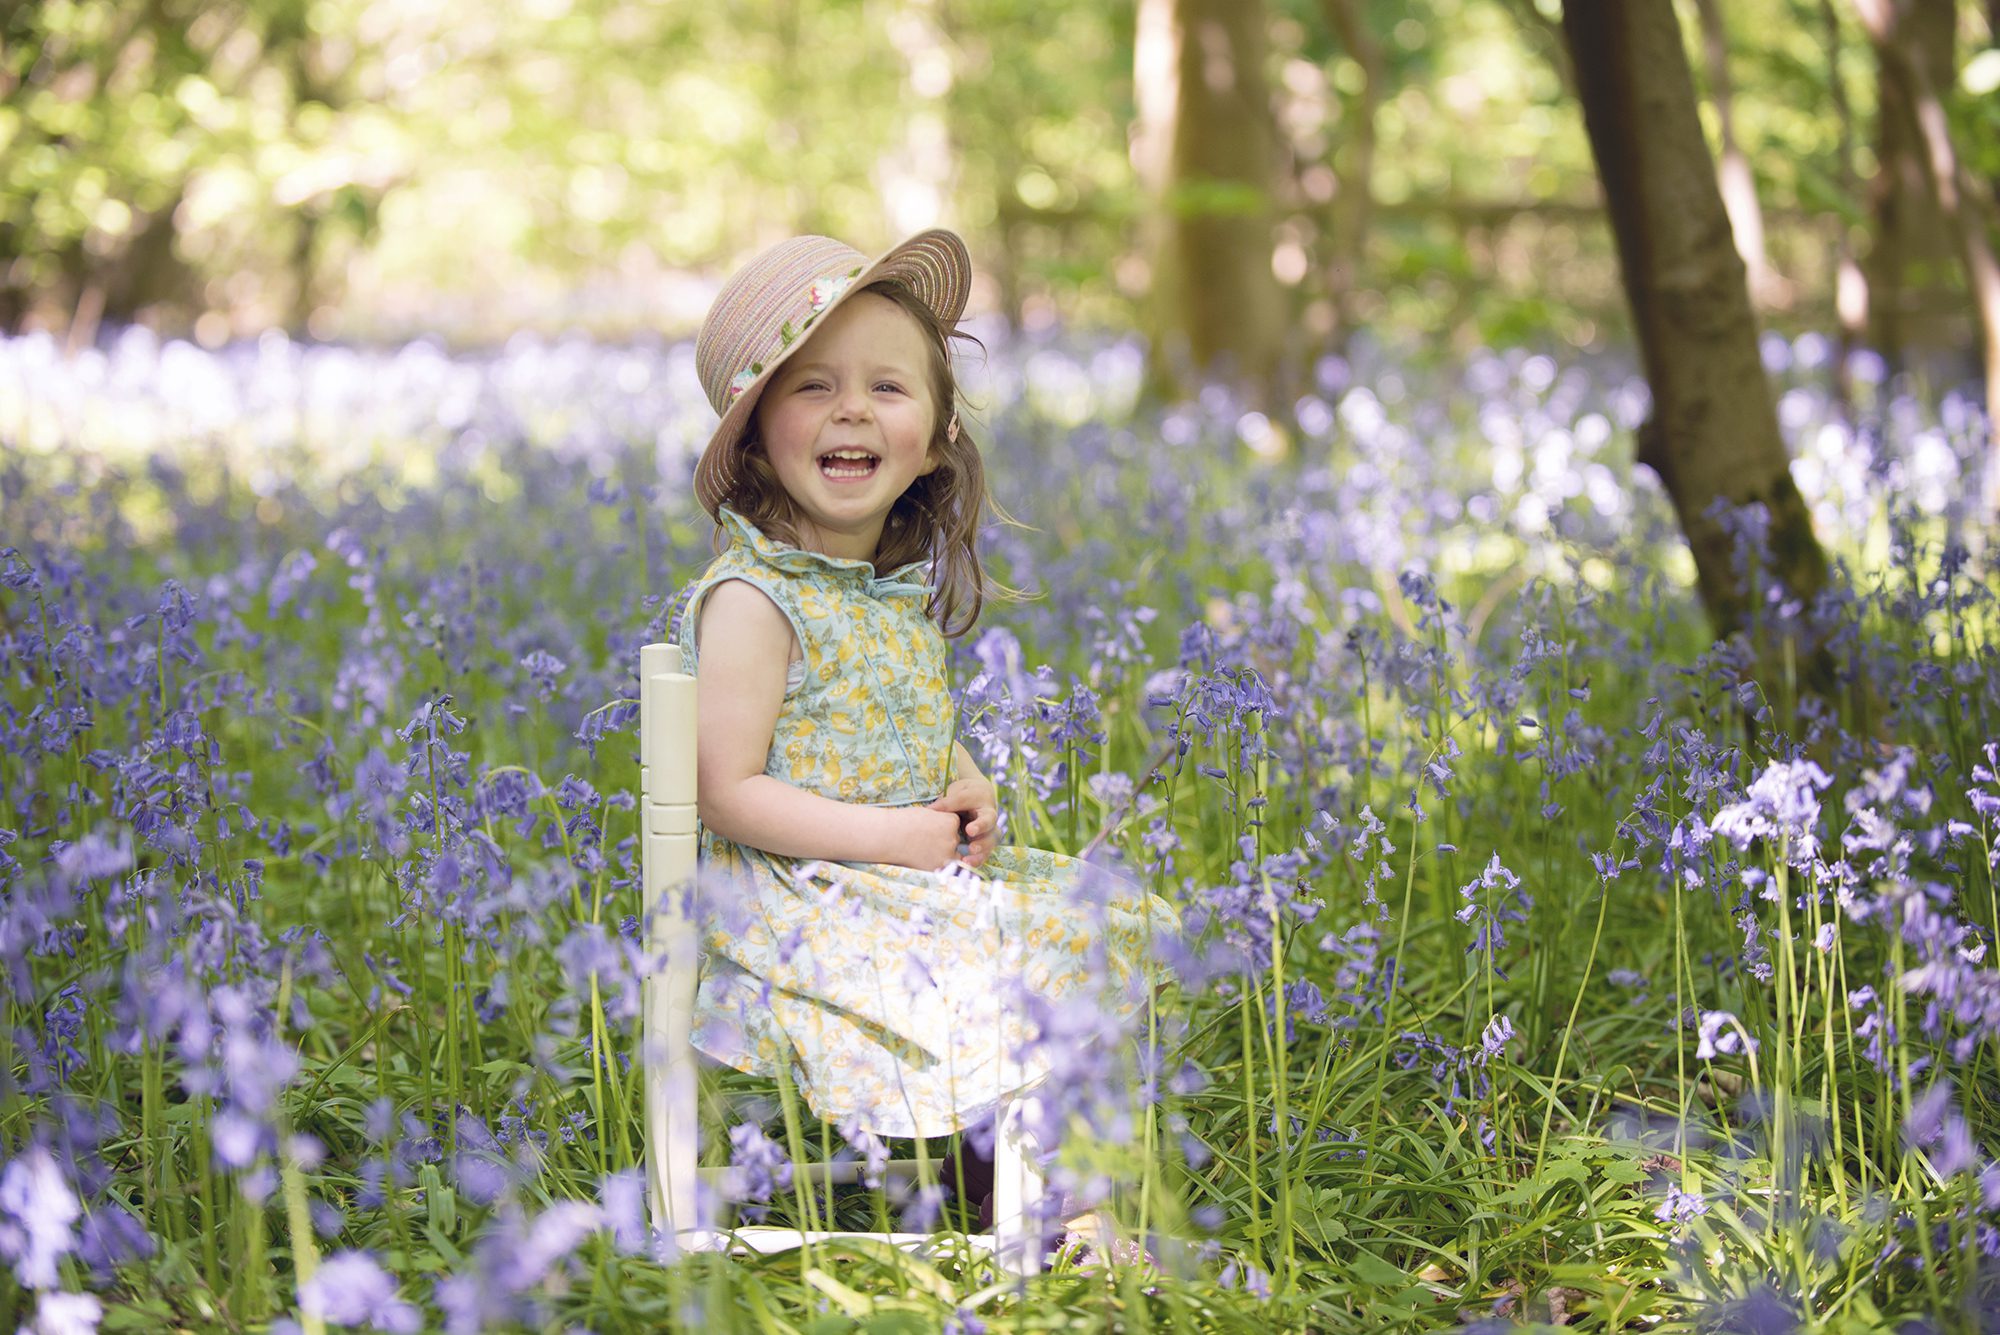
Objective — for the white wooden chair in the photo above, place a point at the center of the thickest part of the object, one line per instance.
(667, 803)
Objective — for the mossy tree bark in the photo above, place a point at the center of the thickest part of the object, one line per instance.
(1713, 431)
(1347, 217)
(1207, 151)
(1850, 283)
(1733, 175)
(1959, 198)
(1911, 254)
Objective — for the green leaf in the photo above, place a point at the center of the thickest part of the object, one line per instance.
(1622, 1171)
(146, 1314)
(506, 1066)
(1555, 1171)
(899, 1323)
(853, 1303)
(1372, 1269)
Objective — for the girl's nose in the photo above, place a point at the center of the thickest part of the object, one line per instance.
(852, 402)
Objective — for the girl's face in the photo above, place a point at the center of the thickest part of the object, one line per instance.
(847, 423)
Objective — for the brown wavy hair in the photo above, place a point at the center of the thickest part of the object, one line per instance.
(937, 519)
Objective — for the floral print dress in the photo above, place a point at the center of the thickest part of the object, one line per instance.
(891, 993)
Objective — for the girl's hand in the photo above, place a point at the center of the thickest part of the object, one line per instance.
(977, 807)
(929, 838)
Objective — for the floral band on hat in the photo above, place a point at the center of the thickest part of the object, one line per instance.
(822, 294)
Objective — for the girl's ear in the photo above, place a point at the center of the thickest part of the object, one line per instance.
(934, 458)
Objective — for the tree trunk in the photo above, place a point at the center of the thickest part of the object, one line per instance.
(1958, 200)
(1733, 176)
(1207, 142)
(1912, 250)
(1713, 433)
(1354, 190)
(1544, 35)
(1850, 281)
(916, 176)
(1993, 44)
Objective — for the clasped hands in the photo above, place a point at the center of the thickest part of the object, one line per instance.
(974, 811)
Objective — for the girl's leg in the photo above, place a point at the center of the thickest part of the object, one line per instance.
(967, 1157)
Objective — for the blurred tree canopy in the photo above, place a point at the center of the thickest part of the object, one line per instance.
(372, 168)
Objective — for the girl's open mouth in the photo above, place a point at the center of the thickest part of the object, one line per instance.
(841, 464)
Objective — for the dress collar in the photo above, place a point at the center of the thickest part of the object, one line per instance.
(906, 579)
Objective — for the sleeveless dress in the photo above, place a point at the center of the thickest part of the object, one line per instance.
(890, 993)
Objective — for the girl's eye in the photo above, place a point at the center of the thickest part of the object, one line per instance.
(811, 384)
(891, 386)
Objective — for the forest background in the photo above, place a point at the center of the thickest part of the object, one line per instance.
(363, 170)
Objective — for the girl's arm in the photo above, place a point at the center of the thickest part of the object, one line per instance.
(964, 766)
(744, 642)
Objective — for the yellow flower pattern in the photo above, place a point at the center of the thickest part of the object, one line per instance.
(885, 990)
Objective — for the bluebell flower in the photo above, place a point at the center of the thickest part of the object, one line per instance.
(1680, 1206)
(37, 1208)
(1782, 803)
(350, 1288)
(1721, 1035)
(873, 1150)
(964, 1321)
(1504, 902)
(758, 1166)
(58, 1313)
(111, 1236)
(1244, 1275)
(622, 1196)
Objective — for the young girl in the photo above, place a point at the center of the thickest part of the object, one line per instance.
(882, 926)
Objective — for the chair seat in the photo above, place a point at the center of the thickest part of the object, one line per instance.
(768, 1240)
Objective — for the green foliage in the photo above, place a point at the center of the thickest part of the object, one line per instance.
(365, 167)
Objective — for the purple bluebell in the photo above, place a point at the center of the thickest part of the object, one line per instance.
(1493, 898)
(1720, 1035)
(37, 1208)
(59, 1313)
(758, 1167)
(1680, 1206)
(350, 1288)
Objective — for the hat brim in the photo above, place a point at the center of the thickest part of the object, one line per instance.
(933, 264)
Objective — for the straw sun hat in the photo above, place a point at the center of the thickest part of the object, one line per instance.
(763, 312)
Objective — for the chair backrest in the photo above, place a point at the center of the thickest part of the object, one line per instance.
(667, 862)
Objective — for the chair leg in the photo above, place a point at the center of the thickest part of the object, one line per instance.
(1017, 1190)
(671, 1085)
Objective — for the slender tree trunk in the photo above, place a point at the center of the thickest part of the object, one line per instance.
(1354, 190)
(917, 175)
(1993, 44)
(1206, 127)
(802, 206)
(1850, 280)
(1544, 34)
(1156, 87)
(1713, 433)
(1958, 199)
(1912, 249)
(1733, 175)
